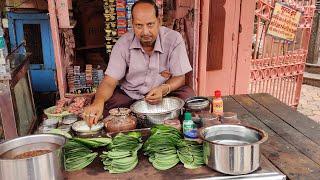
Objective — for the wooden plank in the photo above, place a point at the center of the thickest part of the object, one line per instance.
(282, 154)
(7, 112)
(299, 121)
(287, 132)
(265, 163)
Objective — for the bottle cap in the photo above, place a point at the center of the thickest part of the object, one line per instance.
(187, 116)
(217, 93)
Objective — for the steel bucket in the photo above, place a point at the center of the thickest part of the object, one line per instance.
(48, 166)
(232, 149)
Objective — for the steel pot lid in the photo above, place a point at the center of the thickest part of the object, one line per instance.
(197, 103)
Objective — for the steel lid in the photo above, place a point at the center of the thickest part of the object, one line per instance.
(197, 103)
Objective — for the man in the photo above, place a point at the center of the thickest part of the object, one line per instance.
(149, 63)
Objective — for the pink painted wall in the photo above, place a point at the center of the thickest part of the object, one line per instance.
(202, 61)
(233, 77)
(245, 47)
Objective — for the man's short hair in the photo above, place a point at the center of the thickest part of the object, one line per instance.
(151, 2)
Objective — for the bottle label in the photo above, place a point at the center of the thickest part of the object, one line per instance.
(190, 130)
(217, 108)
(2, 42)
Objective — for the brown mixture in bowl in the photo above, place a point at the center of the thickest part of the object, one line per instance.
(31, 154)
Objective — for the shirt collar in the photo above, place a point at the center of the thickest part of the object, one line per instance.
(135, 44)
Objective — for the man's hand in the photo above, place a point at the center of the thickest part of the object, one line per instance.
(92, 113)
(105, 90)
(155, 95)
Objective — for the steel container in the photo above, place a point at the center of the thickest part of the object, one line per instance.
(197, 106)
(232, 149)
(48, 166)
(149, 115)
(198, 103)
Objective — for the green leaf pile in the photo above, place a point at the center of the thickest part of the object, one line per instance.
(93, 142)
(190, 154)
(60, 132)
(161, 147)
(77, 152)
(77, 156)
(122, 156)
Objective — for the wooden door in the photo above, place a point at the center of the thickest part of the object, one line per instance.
(34, 28)
(219, 33)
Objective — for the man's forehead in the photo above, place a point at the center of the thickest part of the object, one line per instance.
(144, 21)
(143, 9)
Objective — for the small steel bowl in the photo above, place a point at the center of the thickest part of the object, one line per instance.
(149, 115)
(82, 127)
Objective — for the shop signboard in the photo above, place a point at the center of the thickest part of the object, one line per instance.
(284, 22)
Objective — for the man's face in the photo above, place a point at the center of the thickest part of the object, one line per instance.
(145, 24)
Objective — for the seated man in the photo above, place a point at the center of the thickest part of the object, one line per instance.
(149, 63)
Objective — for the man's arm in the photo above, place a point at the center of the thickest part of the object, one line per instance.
(105, 89)
(104, 92)
(156, 94)
(175, 83)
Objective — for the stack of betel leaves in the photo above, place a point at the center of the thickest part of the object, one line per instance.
(94, 142)
(190, 154)
(161, 147)
(77, 152)
(123, 153)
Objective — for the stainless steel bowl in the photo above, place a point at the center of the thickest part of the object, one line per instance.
(82, 127)
(169, 108)
(47, 166)
(232, 149)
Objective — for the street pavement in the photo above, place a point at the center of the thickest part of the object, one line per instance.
(309, 103)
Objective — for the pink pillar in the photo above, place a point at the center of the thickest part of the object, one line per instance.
(196, 46)
(202, 61)
(234, 75)
(57, 48)
(245, 47)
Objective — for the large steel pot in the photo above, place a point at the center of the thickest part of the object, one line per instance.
(48, 166)
(232, 149)
(149, 115)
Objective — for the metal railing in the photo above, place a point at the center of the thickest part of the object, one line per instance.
(277, 65)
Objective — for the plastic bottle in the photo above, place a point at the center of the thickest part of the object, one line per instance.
(217, 103)
(189, 128)
(3, 44)
(4, 66)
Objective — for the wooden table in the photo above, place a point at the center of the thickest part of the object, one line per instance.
(293, 147)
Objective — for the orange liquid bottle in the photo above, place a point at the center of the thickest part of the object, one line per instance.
(217, 103)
